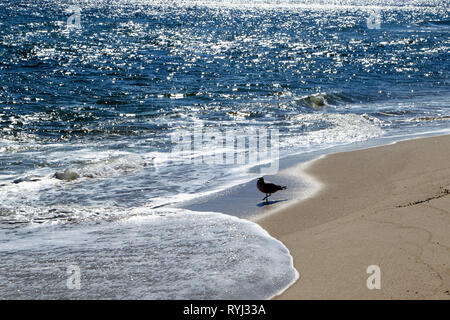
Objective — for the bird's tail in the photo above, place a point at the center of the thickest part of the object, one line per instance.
(283, 187)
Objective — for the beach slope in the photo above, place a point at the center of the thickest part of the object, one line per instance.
(387, 206)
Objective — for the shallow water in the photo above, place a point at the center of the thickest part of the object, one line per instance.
(175, 255)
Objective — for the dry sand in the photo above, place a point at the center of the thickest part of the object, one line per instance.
(387, 206)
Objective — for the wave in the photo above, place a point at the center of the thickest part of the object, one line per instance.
(440, 23)
(433, 25)
(322, 130)
(428, 119)
(87, 177)
(175, 254)
(320, 100)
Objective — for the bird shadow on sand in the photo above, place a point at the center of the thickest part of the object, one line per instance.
(262, 204)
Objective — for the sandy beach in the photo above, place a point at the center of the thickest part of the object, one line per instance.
(386, 206)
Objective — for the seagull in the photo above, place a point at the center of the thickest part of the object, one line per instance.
(268, 188)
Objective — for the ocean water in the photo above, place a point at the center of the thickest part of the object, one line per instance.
(105, 100)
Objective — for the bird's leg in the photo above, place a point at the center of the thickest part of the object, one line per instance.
(265, 198)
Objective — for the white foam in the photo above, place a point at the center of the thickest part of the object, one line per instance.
(340, 129)
(175, 254)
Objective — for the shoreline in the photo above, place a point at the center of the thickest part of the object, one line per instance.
(238, 198)
(383, 205)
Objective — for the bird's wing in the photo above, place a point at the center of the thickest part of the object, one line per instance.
(271, 187)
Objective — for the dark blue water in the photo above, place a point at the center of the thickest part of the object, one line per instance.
(102, 100)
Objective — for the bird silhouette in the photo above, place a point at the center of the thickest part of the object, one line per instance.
(268, 188)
